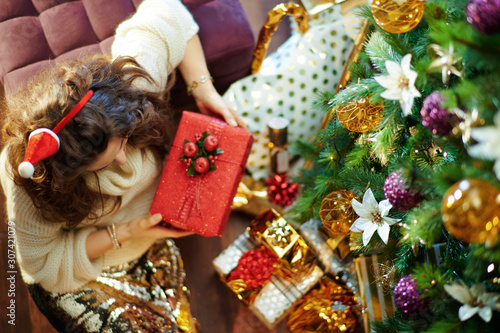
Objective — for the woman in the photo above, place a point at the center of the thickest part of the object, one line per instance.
(92, 256)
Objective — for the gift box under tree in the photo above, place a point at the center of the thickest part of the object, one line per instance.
(291, 277)
(201, 175)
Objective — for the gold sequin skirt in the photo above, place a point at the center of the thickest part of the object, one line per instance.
(145, 295)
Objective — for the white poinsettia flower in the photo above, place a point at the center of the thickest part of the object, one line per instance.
(487, 146)
(400, 83)
(475, 300)
(372, 217)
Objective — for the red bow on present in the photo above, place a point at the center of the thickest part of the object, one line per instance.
(281, 190)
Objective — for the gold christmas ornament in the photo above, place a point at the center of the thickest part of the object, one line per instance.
(336, 212)
(360, 115)
(471, 210)
(398, 16)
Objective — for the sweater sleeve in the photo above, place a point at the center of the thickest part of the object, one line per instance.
(156, 36)
(47, 253)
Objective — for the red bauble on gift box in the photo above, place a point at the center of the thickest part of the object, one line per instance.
(198, 185)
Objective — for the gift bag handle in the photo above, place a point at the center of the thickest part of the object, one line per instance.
(274, 17)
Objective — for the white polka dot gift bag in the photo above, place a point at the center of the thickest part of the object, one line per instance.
(288, 80)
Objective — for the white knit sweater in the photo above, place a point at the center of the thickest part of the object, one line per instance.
(156, 37)
(50, 253)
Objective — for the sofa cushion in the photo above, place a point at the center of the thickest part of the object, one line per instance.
(67, 27)
(15, 8)
(105, 16)
(36, 33)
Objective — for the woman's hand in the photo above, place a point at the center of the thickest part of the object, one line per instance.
(147, 228)
(98, 242)
(193, 67)
(209, 102)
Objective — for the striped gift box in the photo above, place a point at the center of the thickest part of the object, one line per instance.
(374, 294)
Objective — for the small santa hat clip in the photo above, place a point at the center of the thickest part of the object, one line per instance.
(44, 142)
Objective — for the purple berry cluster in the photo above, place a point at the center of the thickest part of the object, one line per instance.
(400, 195)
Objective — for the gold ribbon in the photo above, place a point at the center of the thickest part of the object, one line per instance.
(274, 17)
(239, 287)
(251, 197)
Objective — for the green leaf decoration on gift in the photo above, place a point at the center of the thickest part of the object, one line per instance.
(198, 151)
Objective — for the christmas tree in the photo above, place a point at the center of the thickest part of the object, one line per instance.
(412, 142)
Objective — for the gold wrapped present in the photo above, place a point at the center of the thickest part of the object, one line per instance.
(328, 259)
(375, 281)
(272, 300)
(329, 308)
(274, 232)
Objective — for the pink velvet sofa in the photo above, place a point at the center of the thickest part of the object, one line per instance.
(36, 32)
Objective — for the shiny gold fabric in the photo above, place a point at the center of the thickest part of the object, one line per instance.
(145, 295)
(274, 17)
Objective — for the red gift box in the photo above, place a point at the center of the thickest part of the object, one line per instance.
(202, 202)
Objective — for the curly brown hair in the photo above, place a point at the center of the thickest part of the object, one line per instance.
(117, 109)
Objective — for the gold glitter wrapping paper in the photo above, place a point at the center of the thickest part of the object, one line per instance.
(374, 295)
(273, 301)
(147, 294)
(329, 308)
(274, 17)
(274, 232)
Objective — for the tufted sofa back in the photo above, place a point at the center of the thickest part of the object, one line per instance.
(35, 33)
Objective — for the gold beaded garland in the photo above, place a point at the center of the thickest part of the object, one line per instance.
(471, 211)
(336, 212)
(398, 16)
(360, 115)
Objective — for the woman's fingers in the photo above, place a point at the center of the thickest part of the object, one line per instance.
(209, 101)
(162, 232)
(173, 233)
(238, 119)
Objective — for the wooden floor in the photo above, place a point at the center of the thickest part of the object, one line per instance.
(215, 307)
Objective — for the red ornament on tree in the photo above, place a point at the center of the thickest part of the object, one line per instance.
(281, 190)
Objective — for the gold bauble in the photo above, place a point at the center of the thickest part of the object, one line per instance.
(398, 16)
(336, 212)
(471, 210)
(360, 115)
